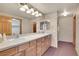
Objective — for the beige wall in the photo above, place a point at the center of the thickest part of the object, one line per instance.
(65, 29)
(26, 26)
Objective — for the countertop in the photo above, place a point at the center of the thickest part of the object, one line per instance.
(22, 39)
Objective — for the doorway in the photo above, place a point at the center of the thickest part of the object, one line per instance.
(34, 27)
(65, 29)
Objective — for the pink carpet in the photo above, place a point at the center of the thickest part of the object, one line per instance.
(64, 49)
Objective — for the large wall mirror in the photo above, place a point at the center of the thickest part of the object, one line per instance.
(9, 25)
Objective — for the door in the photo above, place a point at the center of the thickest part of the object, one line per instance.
(34, 27)
(74, 31)
(66, 29)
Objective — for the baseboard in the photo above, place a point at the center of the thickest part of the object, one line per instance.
(66, 42)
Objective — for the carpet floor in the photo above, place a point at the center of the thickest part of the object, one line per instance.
(64, 49)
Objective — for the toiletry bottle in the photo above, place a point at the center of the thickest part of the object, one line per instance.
(1, 38)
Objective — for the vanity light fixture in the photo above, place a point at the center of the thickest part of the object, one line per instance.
(29, 9)
(24, 7)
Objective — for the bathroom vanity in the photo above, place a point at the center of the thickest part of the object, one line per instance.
(35, 44)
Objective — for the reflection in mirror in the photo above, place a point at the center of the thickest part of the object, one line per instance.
(9, 25)
(44, 25)
(15, 26)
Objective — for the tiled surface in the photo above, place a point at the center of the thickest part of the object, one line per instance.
(64, 49)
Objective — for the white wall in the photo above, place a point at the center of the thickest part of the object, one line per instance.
(77, 34)
(53, 27)
(26, 26)
(65, 29)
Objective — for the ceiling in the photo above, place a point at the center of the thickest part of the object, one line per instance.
(46, 8)
(13, 9)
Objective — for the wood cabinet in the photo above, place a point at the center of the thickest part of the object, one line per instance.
(9, 52)
(43, 45)
(5, 25)
(39, 47)
(46, 43)
(33, 48)
(31, 51)
(21, 53)
(22, 48)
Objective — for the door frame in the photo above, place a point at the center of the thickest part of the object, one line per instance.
(74, 31)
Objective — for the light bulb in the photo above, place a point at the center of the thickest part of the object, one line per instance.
(25, 7)
(40, 14)
(36, 12)
(65, 13)
(28, 11)
(22, 9)
(33, 13)
(37, 15)
(32, 10)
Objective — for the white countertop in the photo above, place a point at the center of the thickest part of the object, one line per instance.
(22, 39)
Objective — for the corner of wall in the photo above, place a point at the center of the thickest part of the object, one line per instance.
(77, 50)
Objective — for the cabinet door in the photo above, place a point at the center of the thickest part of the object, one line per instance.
(8, 52)
(7, 25)
(46, 43)
(39, 47)
(43, 45)
(31, 51)
(20, 53)
(23, 47)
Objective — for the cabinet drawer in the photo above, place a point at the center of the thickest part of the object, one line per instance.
(23, 47)
(31, 51)
(8, 52)
(38, 49)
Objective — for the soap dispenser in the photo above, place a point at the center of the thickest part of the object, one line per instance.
(4, 37)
